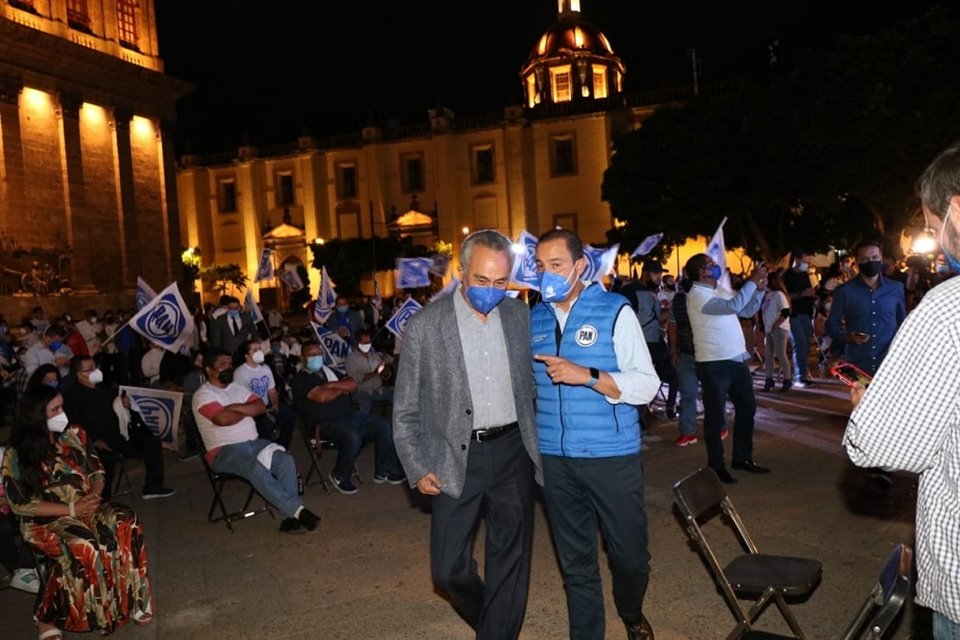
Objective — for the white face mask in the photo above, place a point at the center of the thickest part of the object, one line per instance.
(96, 376)
(257, 357)
(365, 348)
(58, 423)
(803, 267)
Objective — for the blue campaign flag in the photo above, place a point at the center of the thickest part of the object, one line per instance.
(160, 410)
(165, 320)
(335, 347)
(647, 245)
(525, 263)
(599, 262)
(145, 293)
(265, 269)
(413, 273)
(398, 322)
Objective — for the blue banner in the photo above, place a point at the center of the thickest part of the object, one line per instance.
(165, 320)
(413, 273)
(398, 322)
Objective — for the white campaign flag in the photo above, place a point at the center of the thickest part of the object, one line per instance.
(525, 262)
(413, 273)
(398, 322)
(326, 300)
(599, 262)
(145, 292)
(251, 307)
(292, 279)
(160, 410)
(265, 268)
(335, 347)
(165, 320)
(647, 245)
(717, 250)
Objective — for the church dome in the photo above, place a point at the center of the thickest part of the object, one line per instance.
(571, 34)
(571, 62)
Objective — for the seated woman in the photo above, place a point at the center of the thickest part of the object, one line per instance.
(48, 374)
(98, 578)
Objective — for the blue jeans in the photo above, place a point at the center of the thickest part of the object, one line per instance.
(801, 328)
(349, 434)
(277, 485)
(366, 399)
(722, 378)
(689, 389)
(578, 493)
(944, 628)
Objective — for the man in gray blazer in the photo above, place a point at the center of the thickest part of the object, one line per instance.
(464, 429)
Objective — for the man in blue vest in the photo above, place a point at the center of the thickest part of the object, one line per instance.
(591, 368)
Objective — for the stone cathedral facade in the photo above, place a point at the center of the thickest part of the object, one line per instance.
(87, 172)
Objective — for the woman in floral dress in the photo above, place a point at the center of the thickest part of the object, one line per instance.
(98, 579)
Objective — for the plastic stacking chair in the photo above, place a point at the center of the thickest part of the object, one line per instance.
(218, 509)
(882, 605)
(760, 577)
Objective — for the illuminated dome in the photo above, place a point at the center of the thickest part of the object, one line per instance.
(568, 35)
(572, 61)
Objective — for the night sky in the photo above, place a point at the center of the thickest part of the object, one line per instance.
(267, 72)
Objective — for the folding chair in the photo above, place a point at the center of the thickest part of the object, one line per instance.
(751, 575)
(121, 485)
(882, 605)
(315, 447)
(217, 482)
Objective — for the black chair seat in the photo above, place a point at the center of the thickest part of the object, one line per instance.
(764, 635)
(755, 573)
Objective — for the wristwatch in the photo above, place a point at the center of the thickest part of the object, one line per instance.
(594, 377)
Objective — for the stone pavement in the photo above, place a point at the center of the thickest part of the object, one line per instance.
(365, 572)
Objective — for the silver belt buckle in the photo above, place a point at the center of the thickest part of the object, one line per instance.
(477, 433)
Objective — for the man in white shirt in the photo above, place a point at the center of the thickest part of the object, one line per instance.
(150, 363)
(256, 376)
(49, 350)
(366, 366)
(909, 422)
(91, 329)
(721, 354)
(225, 413)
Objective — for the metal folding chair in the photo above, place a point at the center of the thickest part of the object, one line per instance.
(218, 481)
(759, 577)
(315, 447)
(121, 480)
(882, 605)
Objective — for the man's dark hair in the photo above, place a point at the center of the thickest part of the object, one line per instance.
(309, 343)
(364, 332)
(940, 181)
(574, 243)
(694, 265)
(76, 362)
(868, 242)
(210, 356)
(55, 331)
(225, 300)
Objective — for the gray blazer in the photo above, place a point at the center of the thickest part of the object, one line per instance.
(432, 413)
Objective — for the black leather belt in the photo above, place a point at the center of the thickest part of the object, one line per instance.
(486, 435)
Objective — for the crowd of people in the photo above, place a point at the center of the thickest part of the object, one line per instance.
(486, 398)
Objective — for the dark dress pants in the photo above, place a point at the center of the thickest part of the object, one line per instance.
(142, 444)
(498, 487)
(719, 379)
(579, 494)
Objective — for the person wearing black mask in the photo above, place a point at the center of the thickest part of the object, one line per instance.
(866, 311)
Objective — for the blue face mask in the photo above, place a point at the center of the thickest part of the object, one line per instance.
(953, 262)
(716, 272)
(554, 287)
(56, 344)
(342, 308)
(314, 363)
(233, 314)
(52, 383)
(484, 299)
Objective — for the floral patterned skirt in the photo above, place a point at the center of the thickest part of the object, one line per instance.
(99, 578)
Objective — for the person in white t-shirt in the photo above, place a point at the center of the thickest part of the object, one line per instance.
(226, 418)
(775, 312)
(255, 375)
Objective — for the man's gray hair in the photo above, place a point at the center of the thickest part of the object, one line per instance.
(941, 181)
(490, 238)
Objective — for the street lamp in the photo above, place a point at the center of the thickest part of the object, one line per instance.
(318, 241)
(925, 242)
(466, 230)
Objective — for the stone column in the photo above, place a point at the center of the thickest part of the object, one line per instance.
(126, 208)
(171, 222)
(13, 188)
(79, 222)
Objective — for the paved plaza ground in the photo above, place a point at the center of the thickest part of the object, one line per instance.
(365, 573)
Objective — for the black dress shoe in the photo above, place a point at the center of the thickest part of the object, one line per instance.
(289, 525)
(725, 476)
(749, 466)
(639, 630)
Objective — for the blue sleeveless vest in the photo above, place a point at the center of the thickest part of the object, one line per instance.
(575, 421)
